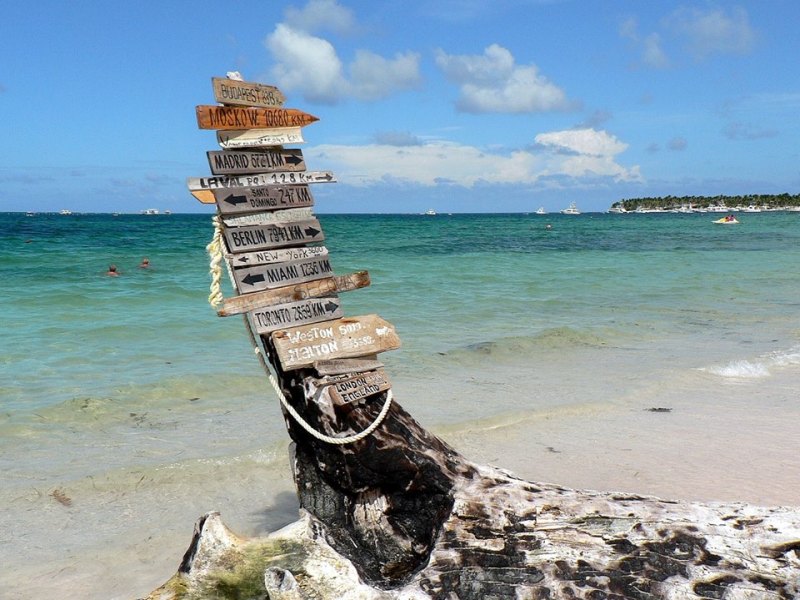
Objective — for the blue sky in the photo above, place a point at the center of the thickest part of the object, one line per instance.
(462, 106)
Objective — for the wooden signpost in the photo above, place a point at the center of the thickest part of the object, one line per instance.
(243, 93)
(348, 337)
(265, 218)
(232, 162)
(232, 139)
(353, 389)
(272, 318)
(234, 117)
(264, 237)
(244, 200)
(258, 179)
(266, 257)
(264, 277)
(311, 289)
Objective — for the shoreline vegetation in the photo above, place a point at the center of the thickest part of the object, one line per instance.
(721, 203)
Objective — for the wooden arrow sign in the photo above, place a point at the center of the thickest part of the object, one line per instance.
(233, 139)
(299, 347)
(265, 277)
(272, 318)
(231, 162)
(234, 117)
(272, 197)
(268, 257)
(258, 179)
(245, 93)
(265, 218)
(310, 289)
(264, 237)
(353, 389)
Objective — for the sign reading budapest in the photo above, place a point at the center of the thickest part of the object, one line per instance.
(343, 338)
(234, 117)
(245, 93)
(264, 237)
(231, 162)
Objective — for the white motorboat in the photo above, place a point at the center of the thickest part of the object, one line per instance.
(572, 209)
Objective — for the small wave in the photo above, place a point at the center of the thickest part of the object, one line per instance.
(546, 340)
(755, 369)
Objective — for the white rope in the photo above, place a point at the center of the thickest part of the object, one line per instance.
(215, 298)
(339, 441)
(214, 249)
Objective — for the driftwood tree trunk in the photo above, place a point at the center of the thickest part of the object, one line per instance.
(400, 514)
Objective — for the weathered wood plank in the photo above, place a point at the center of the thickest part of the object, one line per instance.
(265, 257)
(299, 347)
(269, 197)
(246, 93)
(233, 162)
(265, 277)
(232, 139)
(258, 179)
(312, 289)
(271, 318)
(265, 237)
(343, 366)
(265, 218)
(234, 117)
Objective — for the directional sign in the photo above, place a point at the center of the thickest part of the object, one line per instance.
(272, 197)
(245, 93)
(346, 366)
(265, 218)
(265, 277)
(267, 257)
(267, 320)
(231, 162)
(299, 347)
(264, 237)
(234, 117)
(359, 387)
(232, 139)
(310, 289)
(258, 179)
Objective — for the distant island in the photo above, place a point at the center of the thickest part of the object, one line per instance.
(747, 203)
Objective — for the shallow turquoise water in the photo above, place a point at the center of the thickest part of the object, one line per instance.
(115, 387)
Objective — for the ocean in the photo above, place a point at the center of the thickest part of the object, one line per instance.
(650, 353)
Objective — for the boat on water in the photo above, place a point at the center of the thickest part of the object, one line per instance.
(729, 220)
(617, 209)
(150, 211)
(541, 211)
(430, 212)
(572, 209)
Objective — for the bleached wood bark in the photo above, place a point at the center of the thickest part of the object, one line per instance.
(401, 515)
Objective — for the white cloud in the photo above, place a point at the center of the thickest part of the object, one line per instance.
(373, 77)
(492, 82)
(310, 66)
(652, 53)
(320, 15)
(709, 32)
(571, 154)
(305, 63)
